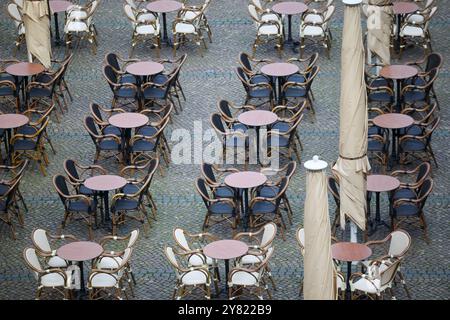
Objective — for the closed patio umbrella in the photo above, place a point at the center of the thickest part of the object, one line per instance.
(352, 164)
(379, 26)
(36, 19)
(319, 275)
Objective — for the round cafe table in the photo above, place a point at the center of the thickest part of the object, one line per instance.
(103, 184)
(164, 7)
(225, 250)
(398, 73)
(277, 71)
(8, 122)
(24, 70)
(142, 70)
(378, 183)
(290, 8)
(257, 119)
(127, 121)
(349, 252)
(400, 9)
(80, 251)
(394, 122)
(245, 180)
(57, 6)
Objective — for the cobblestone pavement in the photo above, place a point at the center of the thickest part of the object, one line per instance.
(205, 80)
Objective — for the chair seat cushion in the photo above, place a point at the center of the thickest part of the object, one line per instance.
(415, 18)
(24, 145)
(367, 286)
(143, 145)
(259, 78)
(262, 207)
(198, 260)
(381, 97)
(130, 188)
(3, 189)
(81, 206)
(404, 193)
(147, 131)
(224, 192)
(125, 93)
(126, 204)
(313, 18)
(154, 93)
(127, 78)
(112, 130)
(109, 145)
(26, 129)
(411, 31)
(221, 208)
(278, 141)
(412, 96)
(239, 126)
(76, 26)
(270, 17)
(312, 31)
(241, 278)
(184, 28)
(296, 78)
(86, 191)
(268, 191)
(40, 92)
(6, 91)
(406, 210)
(295, 92)
(374, 130)
(57, 262)
(260, 93)
(413, 130)
(375, 145)
(281, 126)
(268, 30)
(194, 277)
(147, 29)
(109, 262)
(52, 280)
(412, 145)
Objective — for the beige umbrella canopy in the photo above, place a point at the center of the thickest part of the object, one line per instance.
(352, 164)
(319, 275)
(37, 30)
(379, 25)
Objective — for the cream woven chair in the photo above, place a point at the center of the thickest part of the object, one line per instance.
(15, 14)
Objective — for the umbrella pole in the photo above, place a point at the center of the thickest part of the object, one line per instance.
(353, 232)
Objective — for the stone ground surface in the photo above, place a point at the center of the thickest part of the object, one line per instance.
(205, 80)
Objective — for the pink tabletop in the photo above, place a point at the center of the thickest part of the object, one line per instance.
(59, 5)
(128, 120)
(393, 121)
(350, 251)
(24, 69)
(257, 118)
(164, 6)
(80, 251)
(105, 182)
(398, 71)
(381, 183)
(245, 179)
(225, 249)
(145, 68)
(402, 7)
(290, 7)
(12, 120)
(279, 69)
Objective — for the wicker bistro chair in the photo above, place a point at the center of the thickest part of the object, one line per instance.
(317, 30)
(37, 117)
(191, 11)
(125, 92)
(8, 208)
(9, 95)
(405, 209)
(188, 23)
(411, 180)
(43, 95)
(171, 79)
(234, 142)
(113, 255)
(158, 94)
(42, 243)
(333, 188)
(55, 279)
(271, 188)
(62, 87)
(305, 65)
(284, 143)
(143, 29)
(143, 147)
(379, 279)
(287, 117)
(297, 92)
(229, 113)
(380, 94)
(378, 147)
(14, 12)
(79, 23)
(194, 244)
(119, 65)
(266, 30)
(260, 91)
(78, 173)
(106, 282)
(30, 146)
(188, 278)
(78, 206)
(218, 210)
(252, 278)
(415, 95)
(11, 175)
(417, 33)
(260, 243)
(263, 9)
(109, 144)
(268, 209)
(97, 112)
(213, 174)
(251, 68)
(398, 242)
(419, 145)
(136, 177)
(176, 64)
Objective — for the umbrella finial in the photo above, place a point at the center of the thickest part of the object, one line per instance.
(351, 2)
(315, 164)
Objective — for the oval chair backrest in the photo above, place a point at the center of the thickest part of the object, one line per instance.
(292, 166)
(96, 113)
(170, 255)
(329, 13)
(245, 61)
(216, 121)
(434, 60)
(202, 190)
(14, 12)
(423, 172)
(242, 76)
(126, 256)
(90, 126)
(224, 108)
(333, 187)
(112, 60)
(130, 13)
(270, 231)
(71, 169)
(40, 240)
(399, 244)
(32, 261)
(208, 172)
(253, 12)
(134, 235)
(425, 190)
(60, 184)
(258, 4)
(388, 274)
(110, 74)
(301, 239)
(19, 3)
(284, 183)
(180, 238)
